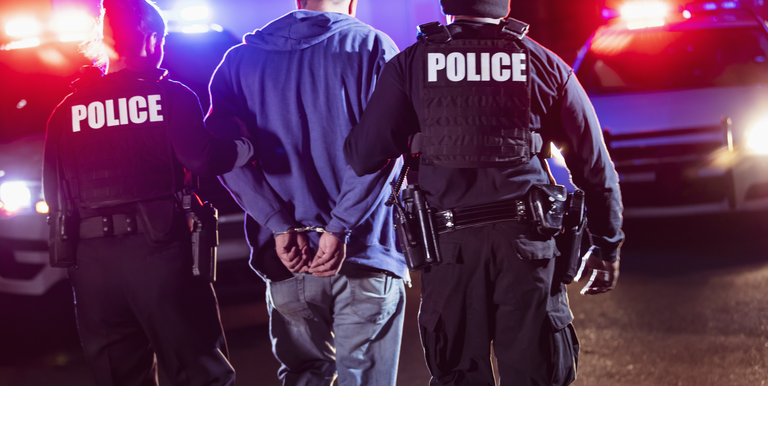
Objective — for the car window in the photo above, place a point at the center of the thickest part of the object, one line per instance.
(653, 60)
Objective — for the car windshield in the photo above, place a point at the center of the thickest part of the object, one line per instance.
(663, 59)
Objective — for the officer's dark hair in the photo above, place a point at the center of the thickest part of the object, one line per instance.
(130, 21)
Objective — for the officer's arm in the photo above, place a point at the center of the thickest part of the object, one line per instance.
(195, 147)
(50, 163)
(591, 167)
(388, 121)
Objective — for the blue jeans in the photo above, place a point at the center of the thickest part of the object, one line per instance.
(348, 325)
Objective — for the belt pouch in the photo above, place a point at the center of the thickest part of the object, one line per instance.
(158, 217)
(62, 242)
(547, 206)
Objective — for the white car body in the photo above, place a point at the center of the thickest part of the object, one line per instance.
(682, 151)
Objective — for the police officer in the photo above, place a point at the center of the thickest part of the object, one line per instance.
(479, 100)
(116, 151)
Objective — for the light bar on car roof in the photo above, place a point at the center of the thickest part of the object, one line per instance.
(644, 10)
(712, 6)
(644, 14)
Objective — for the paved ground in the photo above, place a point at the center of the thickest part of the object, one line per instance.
(691, 309)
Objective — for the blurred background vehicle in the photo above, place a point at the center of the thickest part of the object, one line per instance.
(682, 95)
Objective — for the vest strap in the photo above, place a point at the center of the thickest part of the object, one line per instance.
(514, 28)
(434, 32)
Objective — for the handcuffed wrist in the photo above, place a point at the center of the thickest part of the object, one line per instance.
(343, 236)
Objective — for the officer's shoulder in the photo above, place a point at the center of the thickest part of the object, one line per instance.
(179, 89)
(64, 103)
(87, 76)
(547, 59)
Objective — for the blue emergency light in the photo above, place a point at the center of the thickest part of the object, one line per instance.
(710, 6)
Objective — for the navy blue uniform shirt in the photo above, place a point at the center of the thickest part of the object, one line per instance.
(194, 147)
(561, 113)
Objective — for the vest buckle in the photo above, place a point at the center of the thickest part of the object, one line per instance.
(107, 226)
(514, 28)
(430, 33)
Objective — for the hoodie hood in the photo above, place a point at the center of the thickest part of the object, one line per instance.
(300, 29)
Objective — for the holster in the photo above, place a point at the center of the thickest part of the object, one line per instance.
(62, 241)
(569, 241)
(205, 236)
(547, 204)
(416, 230)
(159, 218)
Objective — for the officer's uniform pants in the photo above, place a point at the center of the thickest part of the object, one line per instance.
(134, 301)
(495, 286)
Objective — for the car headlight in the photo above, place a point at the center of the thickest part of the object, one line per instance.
(15, 195)
(757, 138)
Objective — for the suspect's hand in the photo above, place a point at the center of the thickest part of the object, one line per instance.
(330, 255)
(602, 275)
(293, 251)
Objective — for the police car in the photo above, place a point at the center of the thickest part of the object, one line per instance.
(36, 69)
(682, 96)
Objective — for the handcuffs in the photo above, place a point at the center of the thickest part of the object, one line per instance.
(343, 235)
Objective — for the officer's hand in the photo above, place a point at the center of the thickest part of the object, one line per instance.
(329, 257)
(242, 127)
(602, 275)
(293, 251)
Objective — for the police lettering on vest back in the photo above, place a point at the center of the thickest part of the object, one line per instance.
(136, 110)
(470, 66)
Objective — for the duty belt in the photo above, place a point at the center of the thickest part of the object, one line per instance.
(455, 219)
(109, 225)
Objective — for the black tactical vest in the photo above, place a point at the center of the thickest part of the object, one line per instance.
(476, 98)
(115, 147)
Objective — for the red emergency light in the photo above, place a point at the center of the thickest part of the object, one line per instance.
(640, 14)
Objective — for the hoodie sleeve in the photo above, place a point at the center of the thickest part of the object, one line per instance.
(360, 196)
(247, 184)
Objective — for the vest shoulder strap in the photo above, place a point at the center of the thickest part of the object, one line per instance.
(513, 28)
(434, 32)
